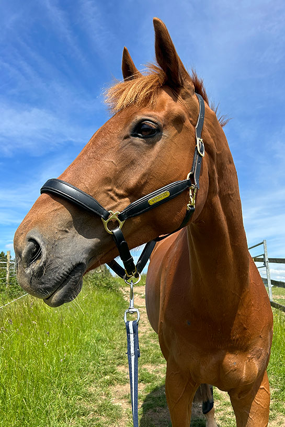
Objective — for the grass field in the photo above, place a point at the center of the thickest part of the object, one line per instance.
(12, 291)
(67, 366)
(53, 360)
(278, 295)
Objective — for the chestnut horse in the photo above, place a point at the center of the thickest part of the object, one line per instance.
(204, 295)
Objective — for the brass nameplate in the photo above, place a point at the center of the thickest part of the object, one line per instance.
(158, 198)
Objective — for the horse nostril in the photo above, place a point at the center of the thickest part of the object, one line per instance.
(32, 252)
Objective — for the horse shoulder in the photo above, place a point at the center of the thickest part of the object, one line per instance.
(158, 275)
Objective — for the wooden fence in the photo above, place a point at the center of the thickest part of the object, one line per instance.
(7, 269)
(264, 260)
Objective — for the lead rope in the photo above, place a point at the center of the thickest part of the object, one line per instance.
(133, 352)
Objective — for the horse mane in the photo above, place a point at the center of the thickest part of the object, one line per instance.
(141, 90)
(200, 89)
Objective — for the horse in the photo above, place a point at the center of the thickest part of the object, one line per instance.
(204, 295)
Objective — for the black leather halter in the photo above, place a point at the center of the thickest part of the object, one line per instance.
(144, 204)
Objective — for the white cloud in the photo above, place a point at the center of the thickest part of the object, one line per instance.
(264, 218)
(37, 130)
(9, 247)
(63, 26)
(17, 200)
(93, 22)
(277, 273)
(20, 197)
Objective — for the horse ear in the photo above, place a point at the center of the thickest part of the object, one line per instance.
(167, 56)
(129, 69)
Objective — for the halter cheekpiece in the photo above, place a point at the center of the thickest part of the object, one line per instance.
(144, 204)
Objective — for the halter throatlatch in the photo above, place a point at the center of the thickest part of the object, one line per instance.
(140, 206)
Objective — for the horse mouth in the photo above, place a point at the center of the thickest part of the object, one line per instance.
(69, 287)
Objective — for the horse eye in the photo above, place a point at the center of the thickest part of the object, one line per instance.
(145, 130)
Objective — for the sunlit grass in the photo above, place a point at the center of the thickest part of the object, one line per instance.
(50, 359)
(10, 292)
(278, 295)
(276, 369)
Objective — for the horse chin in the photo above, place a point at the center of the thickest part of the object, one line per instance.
(68, 289)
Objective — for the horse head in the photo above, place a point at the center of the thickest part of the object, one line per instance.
(149, 142)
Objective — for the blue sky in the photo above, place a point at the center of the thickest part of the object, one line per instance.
(57, 56)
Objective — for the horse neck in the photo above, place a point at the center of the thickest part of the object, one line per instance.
(217, 243)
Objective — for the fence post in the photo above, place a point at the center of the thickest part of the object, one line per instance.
(8, 268)
(266, 262)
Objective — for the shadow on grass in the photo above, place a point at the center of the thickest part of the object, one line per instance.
(156, 414)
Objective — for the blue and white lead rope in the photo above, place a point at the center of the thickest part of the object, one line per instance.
(133, 355)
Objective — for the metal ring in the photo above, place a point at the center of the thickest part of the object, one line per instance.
(113, 217)
(130, 278)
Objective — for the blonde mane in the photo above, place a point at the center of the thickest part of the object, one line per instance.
(142, 90)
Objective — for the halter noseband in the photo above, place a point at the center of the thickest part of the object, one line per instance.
(144, 204)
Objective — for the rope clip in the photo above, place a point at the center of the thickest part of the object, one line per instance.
(132, 309)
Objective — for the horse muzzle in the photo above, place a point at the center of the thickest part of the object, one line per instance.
(55, 278)
(69, 286)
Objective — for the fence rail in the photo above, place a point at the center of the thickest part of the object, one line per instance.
(277, 283)
(265, 260)
(259, 258)
(7, 265)
(8, 281)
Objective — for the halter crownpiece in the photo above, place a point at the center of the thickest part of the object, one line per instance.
(138, 207)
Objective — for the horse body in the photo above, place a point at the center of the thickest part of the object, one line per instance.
(215, 332)
(204, 296)
(207, 302)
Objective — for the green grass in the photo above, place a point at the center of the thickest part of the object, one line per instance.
(276, 290)
(12, 291)
(278, 295)
(276, 369)
(55, 362)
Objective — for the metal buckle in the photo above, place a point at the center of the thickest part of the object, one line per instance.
(113, 217)
(200, 147)
(192, 197)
